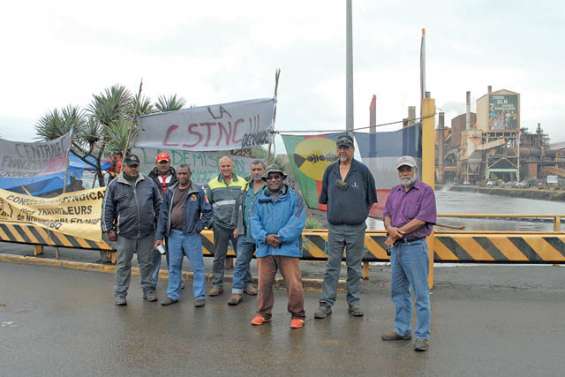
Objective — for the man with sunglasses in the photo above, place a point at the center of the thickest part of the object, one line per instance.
(277, 222)
(129, 215)
(348, 189)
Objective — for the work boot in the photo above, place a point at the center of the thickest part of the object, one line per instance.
(150, 296)
(251, 290)
(168, 301)
(421, 345)
(199, 302)
(234, 299)
(393, 335)
(355, 311)
(215, 291)
(120, 301)
(323, 311)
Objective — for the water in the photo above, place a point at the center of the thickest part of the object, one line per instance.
(469, 202)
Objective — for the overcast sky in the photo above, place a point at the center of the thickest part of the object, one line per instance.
(56, 53)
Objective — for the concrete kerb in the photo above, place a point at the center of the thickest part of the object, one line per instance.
(309, 283)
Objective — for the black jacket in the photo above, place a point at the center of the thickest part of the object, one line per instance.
(131, 210)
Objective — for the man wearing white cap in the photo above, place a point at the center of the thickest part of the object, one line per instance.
(409, 216)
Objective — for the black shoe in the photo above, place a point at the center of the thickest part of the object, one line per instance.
(355, 311)
(150, 296)
(168, 301)
(323, 311)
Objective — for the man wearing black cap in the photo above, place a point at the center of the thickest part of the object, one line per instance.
(129, 214)
(348, 189)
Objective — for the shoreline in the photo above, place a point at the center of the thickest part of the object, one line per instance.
(549, 195)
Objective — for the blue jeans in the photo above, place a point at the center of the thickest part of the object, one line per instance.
(410, 270)
(241, 273)
(350, 238)
(181, 244)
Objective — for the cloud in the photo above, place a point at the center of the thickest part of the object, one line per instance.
(208, 52)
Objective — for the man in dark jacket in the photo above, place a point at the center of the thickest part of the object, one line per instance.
(165, 177)
(185, 211)
(348, 188)
(129, 215)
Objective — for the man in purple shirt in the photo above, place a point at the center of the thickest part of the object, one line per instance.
(409, 216)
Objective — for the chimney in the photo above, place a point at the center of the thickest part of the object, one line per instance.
(440, 149)
(468, 110)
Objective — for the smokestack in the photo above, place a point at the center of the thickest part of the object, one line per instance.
(440, 149)
(468, 110)
(489, 90)
(373, 114)
(411, 115)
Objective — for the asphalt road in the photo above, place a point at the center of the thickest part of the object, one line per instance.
(57, 322)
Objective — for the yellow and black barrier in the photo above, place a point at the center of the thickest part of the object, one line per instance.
(459, 247)
(37, 235)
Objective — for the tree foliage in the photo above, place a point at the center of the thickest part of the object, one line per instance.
(107, 124)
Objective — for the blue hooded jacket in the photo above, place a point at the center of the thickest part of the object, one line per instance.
(285, 217)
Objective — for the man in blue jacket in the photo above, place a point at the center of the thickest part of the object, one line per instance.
(276, 225)
(185, 211)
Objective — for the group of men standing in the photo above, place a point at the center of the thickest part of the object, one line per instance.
(265, 216)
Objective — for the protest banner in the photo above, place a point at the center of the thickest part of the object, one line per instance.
(76, 213)
(20, 159)
(204, 165)
(219, 127)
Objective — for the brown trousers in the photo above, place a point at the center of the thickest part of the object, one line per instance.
(290, 270)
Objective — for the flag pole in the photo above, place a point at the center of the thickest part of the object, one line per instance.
(422, 71)
(277, 76)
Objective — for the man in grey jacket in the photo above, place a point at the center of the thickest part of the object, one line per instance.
(129, 215)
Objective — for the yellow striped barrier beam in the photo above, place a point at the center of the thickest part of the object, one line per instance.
(448, 247)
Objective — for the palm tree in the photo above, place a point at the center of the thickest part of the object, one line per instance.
(111, 105)
(170, 103)
(57, 123)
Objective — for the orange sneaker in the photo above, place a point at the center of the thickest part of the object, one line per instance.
(259, 320)
(296, 323)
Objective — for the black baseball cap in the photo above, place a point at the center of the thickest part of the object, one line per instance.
(344, 141)
(131, 159)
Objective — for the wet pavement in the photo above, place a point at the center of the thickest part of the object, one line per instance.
(487, 321)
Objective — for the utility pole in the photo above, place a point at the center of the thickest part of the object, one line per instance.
(349, 124)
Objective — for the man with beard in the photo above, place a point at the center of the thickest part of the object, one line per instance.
(409, 216)
(276, 225)
(348, 188)
(185, 212)
(242, 281)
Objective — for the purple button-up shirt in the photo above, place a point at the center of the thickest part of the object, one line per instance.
(417, 203)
